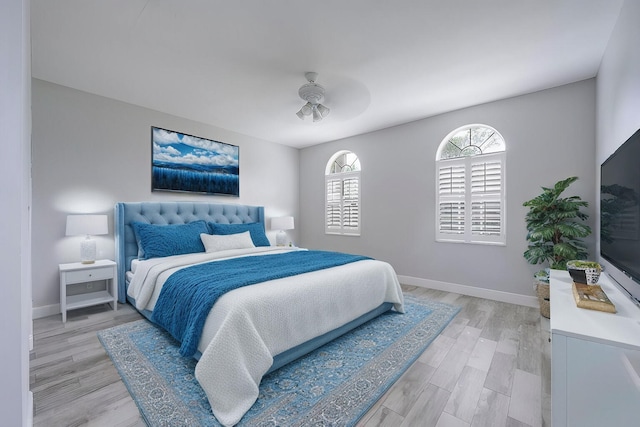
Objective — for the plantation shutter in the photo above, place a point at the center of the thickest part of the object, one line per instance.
(451, 181)
(452, 217)
(343, 203)
(486, 200)
(470, 199)
(333, 204)
(351, 202)
(451, 194)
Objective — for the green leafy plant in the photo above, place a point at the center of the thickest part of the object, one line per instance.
(554, 227)
(585, 264)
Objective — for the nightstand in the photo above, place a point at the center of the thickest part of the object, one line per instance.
(77, 272)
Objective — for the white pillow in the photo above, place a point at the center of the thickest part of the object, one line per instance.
(223, 242)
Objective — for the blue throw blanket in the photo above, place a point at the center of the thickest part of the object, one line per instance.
(188, 294)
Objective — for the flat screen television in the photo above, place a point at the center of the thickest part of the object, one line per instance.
(620, 214)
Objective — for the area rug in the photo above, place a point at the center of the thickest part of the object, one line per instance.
(334, 385)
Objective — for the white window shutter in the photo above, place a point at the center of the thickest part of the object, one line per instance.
(351, 203)
(351, 216)
(486, 218)
(343, 203)
(451, 199)
(486, 178)
(333, 216)
(486, 197)
(334, 190)
(451, 180)
(470, 199)
(452, 217)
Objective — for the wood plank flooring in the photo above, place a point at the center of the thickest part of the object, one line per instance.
(489, 367)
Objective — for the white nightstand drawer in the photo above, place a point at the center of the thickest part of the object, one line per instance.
(82, 276)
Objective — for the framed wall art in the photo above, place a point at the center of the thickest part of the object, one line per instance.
(188, 163)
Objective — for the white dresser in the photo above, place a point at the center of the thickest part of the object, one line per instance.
(595, 359)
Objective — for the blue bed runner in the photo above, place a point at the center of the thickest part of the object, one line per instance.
(188, 294)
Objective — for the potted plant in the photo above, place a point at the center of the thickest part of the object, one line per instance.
(554, 227)
(554, 232)
(584, 271)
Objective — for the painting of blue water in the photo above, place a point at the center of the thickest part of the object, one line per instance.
(189, 163)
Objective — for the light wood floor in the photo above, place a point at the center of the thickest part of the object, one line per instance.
(489, 367)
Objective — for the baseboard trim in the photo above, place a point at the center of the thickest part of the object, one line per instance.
(528, 301)
(45, 311)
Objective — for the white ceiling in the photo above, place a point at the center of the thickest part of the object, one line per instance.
(238, 64)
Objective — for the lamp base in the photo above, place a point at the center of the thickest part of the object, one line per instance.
(88, 251)
(281, 238)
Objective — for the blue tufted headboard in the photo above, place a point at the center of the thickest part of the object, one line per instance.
(169, 213)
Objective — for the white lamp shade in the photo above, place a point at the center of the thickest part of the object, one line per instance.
(282, 223)
(87, 225)
(90, 225)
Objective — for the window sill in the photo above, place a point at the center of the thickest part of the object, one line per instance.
(475, 242)
(342, 234)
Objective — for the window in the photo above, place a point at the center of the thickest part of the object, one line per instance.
(470, 193)
(342, 202)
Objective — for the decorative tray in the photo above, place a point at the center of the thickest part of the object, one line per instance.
(592, 297)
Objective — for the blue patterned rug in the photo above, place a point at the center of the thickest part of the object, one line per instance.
(334, 385)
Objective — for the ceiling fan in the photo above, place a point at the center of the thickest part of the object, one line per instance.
(313, 93)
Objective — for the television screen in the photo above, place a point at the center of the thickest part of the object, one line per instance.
(620, 209)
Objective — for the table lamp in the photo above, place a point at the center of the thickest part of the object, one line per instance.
(281, 223)
(89, 225)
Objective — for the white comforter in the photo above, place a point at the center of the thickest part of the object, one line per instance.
(248, 326)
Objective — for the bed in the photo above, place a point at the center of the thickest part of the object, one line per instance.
(257, 328)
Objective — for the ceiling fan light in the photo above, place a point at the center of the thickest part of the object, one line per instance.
(313, 94)
(306, 109)
(316, 114)
(324, 111)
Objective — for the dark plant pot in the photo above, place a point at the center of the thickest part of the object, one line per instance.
(587, 272)
(578, 276)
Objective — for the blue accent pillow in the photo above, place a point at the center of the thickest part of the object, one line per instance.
(156, 240)
(254, 228)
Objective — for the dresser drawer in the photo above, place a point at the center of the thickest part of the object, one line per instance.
(81, 276)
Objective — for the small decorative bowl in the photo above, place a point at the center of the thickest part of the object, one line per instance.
(584, 271)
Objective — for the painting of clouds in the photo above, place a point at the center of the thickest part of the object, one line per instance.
(188, 163)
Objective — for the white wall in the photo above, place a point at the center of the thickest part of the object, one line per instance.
(90, 152)
(15, 292)
(618, 94)
(550, 135)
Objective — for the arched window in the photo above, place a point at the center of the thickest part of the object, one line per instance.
(470, 193)
(342, 194)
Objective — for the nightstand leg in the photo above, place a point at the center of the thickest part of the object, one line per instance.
(63, 297)
(114, 289)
